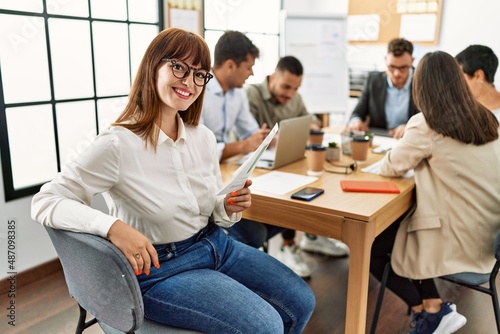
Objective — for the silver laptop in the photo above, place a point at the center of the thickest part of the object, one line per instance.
(291, 144)
(380, 132)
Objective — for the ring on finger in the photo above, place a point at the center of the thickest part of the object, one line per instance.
(137, 256)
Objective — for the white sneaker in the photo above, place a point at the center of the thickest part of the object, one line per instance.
(293, 258)
(324, 245)
(446, 321)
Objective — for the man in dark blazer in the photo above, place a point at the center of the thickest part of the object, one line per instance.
(386, 101)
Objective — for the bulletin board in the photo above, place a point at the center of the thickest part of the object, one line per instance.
(319, 42)
(185, 14)
(379, 21)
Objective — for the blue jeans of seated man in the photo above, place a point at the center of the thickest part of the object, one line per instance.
(215, 284)
(253, 233)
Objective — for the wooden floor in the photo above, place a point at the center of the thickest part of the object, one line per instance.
(45, 306)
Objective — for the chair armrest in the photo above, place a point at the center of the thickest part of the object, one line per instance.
(100, 278)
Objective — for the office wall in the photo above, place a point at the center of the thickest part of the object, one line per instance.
(463, 23)
(325, 6)
(32, 244)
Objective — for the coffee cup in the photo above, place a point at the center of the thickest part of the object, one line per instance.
(359, 147)
(315, 137)
(315, 156)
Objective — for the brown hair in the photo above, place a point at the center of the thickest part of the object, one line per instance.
(398, 46)
(142, 113)
(234, 45)
(443, 96)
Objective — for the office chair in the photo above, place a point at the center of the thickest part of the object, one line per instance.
(101, 280)
(470, 280)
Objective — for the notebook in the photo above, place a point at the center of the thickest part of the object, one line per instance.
(369, 186)
(291, 143)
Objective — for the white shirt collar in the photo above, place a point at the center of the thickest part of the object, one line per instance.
(181, 132)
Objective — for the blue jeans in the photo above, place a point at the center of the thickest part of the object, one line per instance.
(215, 284)
(253, 233)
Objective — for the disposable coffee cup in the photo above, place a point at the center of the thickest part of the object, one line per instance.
(315, 156)
(359, 147)
(315, 137)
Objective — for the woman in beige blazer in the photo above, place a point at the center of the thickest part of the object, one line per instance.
(453, 147)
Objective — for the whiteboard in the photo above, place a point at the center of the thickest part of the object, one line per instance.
(319, 41)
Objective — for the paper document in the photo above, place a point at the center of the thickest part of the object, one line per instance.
(387, 142)
(375, 169)
(245, 170)
(280, 183)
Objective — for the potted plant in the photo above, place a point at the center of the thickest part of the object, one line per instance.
(332, 152)
(369, 134)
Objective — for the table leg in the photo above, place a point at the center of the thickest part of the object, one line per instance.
(359, 237)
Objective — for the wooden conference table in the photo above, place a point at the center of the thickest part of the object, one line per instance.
(354, 218)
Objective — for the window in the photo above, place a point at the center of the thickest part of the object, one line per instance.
(66, 68)
(221, 15)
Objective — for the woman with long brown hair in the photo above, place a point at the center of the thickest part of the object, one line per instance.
(454, 150)
(158, 170)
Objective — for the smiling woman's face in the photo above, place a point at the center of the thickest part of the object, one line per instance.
(176, 94)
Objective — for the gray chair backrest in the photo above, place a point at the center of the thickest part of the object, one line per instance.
(100, 278)
(496, 247)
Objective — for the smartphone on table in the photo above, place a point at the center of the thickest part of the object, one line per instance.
(307, 193)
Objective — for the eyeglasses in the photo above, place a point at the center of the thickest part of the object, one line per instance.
(181, 70)
(342, 168)
(402, 69)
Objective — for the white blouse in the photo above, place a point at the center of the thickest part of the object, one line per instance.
(168, 195)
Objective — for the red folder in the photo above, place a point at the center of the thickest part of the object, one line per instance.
(369, 186)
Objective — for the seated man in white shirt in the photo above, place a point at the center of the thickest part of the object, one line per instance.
(225, 104)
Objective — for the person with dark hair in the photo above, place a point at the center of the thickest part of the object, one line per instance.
(225, 105)
(276, 98)
(479, 64)
(159, 172)
(272, 101)
(386, 100)
(453, 147)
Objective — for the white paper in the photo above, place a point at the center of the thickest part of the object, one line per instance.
(418, 27)
(280, 183)
(185, 19)
(375, 169)
(363, 27)
(242, 174)
(384, 142)
(330, 41)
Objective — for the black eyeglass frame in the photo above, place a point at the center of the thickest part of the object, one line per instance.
(347, 168)
(206, 76)
(402, 69)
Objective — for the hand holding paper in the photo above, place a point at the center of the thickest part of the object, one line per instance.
(243, 173)
(239, 200)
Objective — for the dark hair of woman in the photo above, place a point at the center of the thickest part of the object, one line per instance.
(442, 95)
(142, 113)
